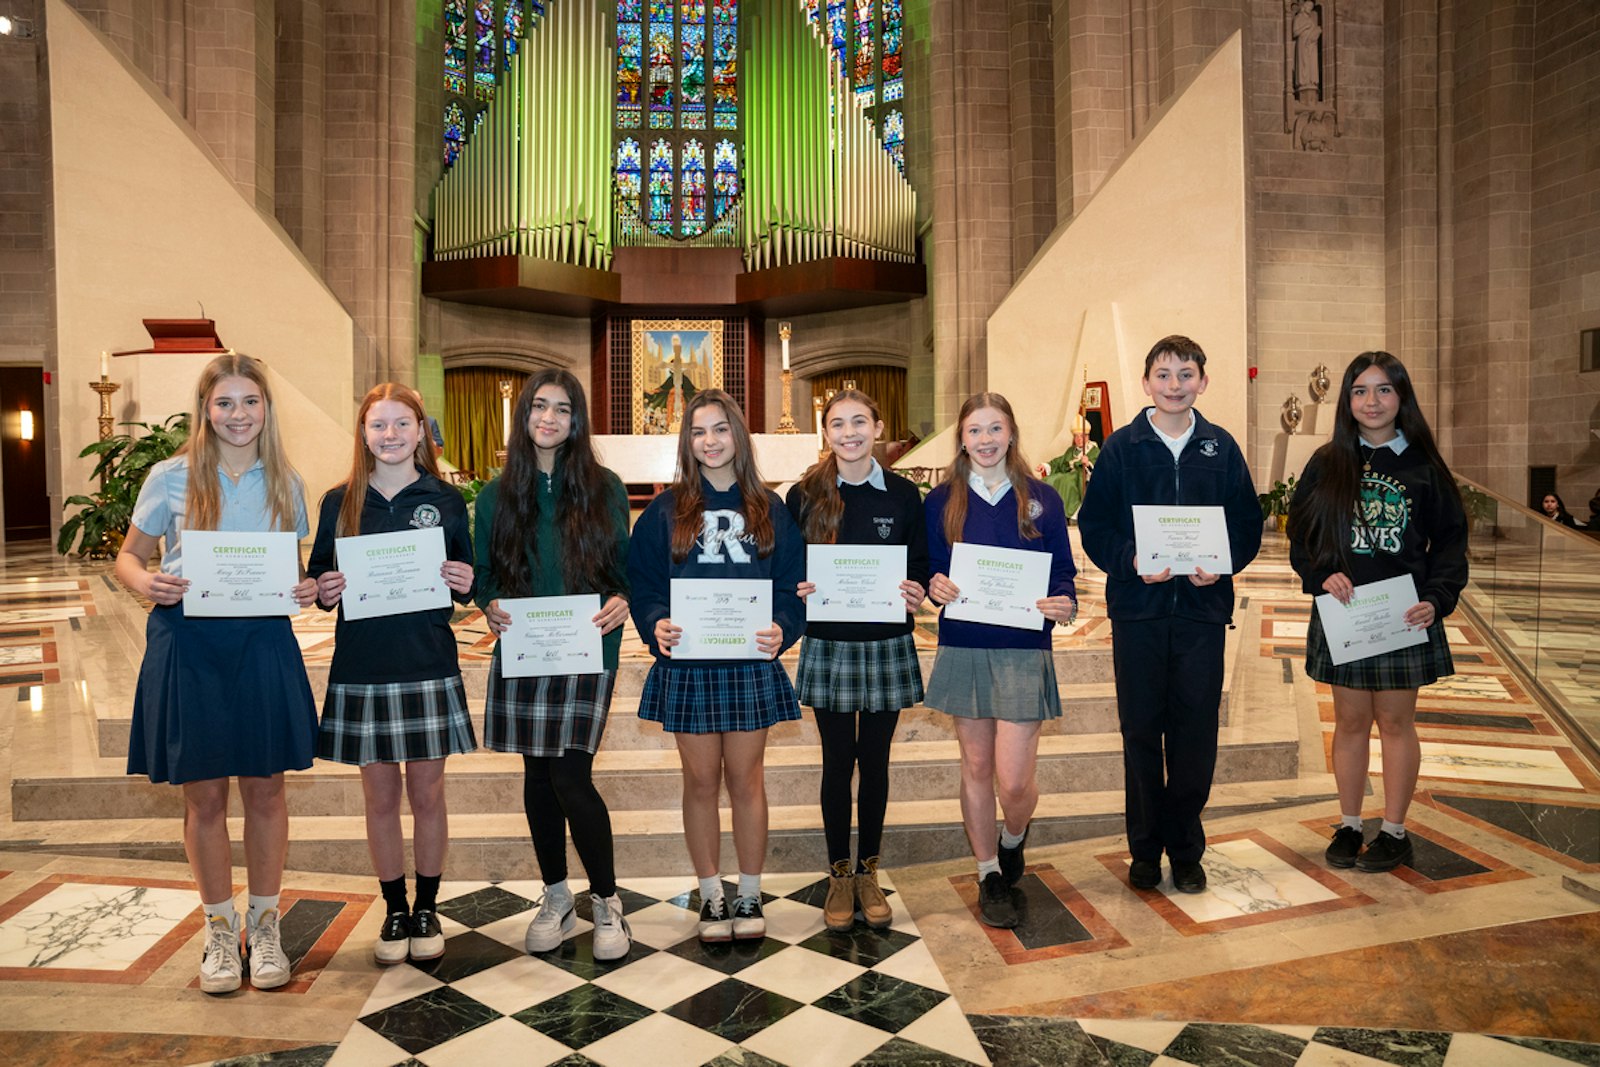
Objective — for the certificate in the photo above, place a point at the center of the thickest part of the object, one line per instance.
(720, 616)
(392, 573)
(856, 583)
(240, 574)
(999, 586)
(1373, 622)
(1182, 538)
(551, 635)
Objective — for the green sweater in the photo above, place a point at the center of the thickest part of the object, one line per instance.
(544, 554)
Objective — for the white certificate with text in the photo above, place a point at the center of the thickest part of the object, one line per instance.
(1183, 538)
(1373, 622)
(856, 583)
(551, 635)
(720, 616)
(392, 573)
(234, 575)
(999, 586)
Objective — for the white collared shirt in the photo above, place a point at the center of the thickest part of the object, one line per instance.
(1397, 443)
(874, 478)
(1174, 444)
(992, 496)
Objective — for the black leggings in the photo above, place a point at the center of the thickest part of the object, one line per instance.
(846, 747)
(558, 791)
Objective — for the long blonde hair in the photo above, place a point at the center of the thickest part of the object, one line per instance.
(203, 507)
(955, 505)
(355, 486)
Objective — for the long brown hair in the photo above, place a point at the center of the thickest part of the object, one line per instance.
(203, 507)
(956, 475)
(820, 485)
(361, 466)
(689, 499)
(583, 520)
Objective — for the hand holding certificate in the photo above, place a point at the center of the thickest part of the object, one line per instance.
(1182, 539)
(856, 583)
(999, 586)
(1373, 622)
(720, 617)
(393, 573)
(551, 635)
(236, 575)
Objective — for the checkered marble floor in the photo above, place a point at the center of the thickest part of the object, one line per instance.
(800, 996)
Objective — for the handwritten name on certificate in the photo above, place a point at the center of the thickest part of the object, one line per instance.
(999, 586)
(856, 583)
(1183, 538)
(551, 635)
(235, 575)
(1373, 622)
(392, 573)
(720, 616)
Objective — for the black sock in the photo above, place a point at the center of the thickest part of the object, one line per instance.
(427, 891)
(394, 894)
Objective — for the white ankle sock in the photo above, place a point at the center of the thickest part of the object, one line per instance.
(711, 887)
(1352, 821)
(988, 867)
(259, 905)
(1394, 829)
(225, 909)
(1009, 839)
(749, 885)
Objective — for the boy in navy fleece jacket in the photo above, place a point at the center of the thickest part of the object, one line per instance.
(1167, 633)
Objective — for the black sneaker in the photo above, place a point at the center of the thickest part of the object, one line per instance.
(1345, 847)
(995, 906)
(1385, 853)
(427, 938)
(1144, 874)
(1011, 861)
(715, 922)
(394, 940)
(1188, 876)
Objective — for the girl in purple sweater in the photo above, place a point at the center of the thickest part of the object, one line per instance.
(997, 682)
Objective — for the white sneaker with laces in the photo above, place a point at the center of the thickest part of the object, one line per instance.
(612, 935)
(552, 924)
(269, 967)
(221, 969)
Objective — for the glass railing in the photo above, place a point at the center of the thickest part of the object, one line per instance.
(1536, 585)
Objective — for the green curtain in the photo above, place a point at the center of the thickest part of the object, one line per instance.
(473, 431)
(886, 385)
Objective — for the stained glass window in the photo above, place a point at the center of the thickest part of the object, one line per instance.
(630, 173)
(893, 32)
(661, 69)
(837, 30)
(862, 62)
(894, 136)
(692, 111)
(725, 178)
(483, 71)
(859, 33)
(455, 133)
(725, 64)
(693, 189)
(629, 53)
(455, 47)
(661, 187)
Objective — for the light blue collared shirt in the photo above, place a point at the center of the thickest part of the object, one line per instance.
(163, 503)
(993, 496)
(1397, 443)
(874, 478)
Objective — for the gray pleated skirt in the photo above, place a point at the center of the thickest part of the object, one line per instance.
(1014, 684)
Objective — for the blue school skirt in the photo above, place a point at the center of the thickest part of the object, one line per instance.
(718, 699)
(218, 698)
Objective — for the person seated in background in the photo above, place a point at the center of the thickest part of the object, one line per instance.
(1555, 509)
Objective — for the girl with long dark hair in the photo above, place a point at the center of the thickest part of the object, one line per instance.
(718, 520)
(857, 676)
(555, 523)
(1377, 502)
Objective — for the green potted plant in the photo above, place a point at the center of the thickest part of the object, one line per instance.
(125, 460)
(1479, 506)
(1275, 503)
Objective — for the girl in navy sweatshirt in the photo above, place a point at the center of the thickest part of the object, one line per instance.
(998, 682)
(865, 667)
(394, 688)
(718, 521)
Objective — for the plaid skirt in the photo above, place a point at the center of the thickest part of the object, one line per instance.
(1404, 668)
(395, 722)
(546, 716)
(859, 675)
(718, 700)
(1013, 684)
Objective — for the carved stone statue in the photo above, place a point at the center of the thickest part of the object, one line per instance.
(1306, 29)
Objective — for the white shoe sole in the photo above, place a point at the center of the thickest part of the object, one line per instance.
(615, 951)
(217, 986)
(716, 933)
(749, 931)
(546, 943)
(427, 948)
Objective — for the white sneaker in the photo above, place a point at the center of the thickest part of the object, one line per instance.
(612, 936)
(554, 922)
(221, 970)
(269, 967)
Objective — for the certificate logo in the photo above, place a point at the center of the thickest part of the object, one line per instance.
(424, 516)
(1208, 447)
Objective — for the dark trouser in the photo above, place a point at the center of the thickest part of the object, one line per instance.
(845, 749)
(1169, 685)
(557, 792)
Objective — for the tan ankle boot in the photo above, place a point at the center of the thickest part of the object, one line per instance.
(874, 905)
(839, 910)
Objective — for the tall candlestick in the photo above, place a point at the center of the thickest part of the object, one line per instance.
(505, 411)
(784, 330)
(105, 364)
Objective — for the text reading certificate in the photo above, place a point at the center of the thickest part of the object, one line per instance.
(551, 635)
(1373, 622)
(999, 586)
(856, 583)
(392, 573)
(1183, 538)
(720, 616)
(235, 575)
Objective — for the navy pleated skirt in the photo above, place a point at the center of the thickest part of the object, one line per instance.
(220, 697)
